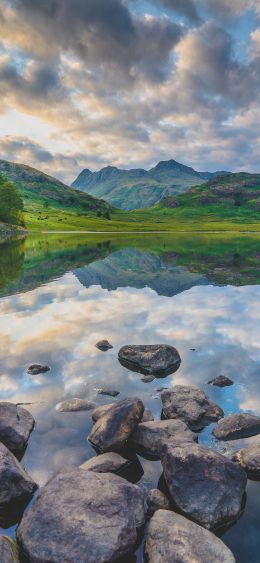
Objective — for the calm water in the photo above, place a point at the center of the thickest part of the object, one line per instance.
(60, 295)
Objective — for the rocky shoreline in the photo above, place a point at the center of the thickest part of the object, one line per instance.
(97, 513)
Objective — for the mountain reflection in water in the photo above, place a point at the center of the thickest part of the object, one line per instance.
(61, 295)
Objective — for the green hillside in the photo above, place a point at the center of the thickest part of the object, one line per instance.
(138, 188)
(47, 201)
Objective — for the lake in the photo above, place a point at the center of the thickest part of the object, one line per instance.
(60, 294)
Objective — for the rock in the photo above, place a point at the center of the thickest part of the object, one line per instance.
(16, 488)
(204, 485)
(191, 405)
(103, 345)
(16, 425)
(158, 360)
(75, 405)
(147, 378)
(150, 437)
(174, 539)
(156, 500)
(8, 550)
(235, 426)
(147, 416)
(108, 392)
(36, 369)
(82, 516)
(105, 463)
(113, 429)
(100, 411)
(221, 381)
(249, 459)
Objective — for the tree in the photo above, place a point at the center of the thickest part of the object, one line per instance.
(107, 215)
(11, 203)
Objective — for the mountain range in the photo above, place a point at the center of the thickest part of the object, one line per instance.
(139, 188)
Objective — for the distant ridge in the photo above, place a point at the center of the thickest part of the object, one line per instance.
(139, 188)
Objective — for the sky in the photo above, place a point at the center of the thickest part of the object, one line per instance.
(91, 83)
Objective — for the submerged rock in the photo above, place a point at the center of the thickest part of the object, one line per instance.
(82, 516)
(235, 426)
(156, 500)
(158, 359)
(75, 405)
(150, 437)
(113, 429)
(8, 550)
(249, 459)
(204, 485)
(174, 539)
(16, 425)
(110, 462)
(191, 405)
(37, 369)
(16, 488)
(221, 381)
(108, 392)
(103, 345)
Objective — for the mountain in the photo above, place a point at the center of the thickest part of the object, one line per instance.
(138, 188)
(41, 192)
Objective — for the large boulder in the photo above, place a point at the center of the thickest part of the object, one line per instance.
(112, 430)
(16, 425)
(204, 485)
(75, 405)
(174, 539)
(100, 411)
(158, 359)
(82, 516)
(235, 426)
(249, 459)
(16, 488)
(156, 500)
(150, 437)
(191, 405)
(8, 550)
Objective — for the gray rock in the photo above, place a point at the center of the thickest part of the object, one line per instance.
(8, 550)
(156, 500)
(113, 429)
(16, 488)
(110, 462)
(37, 369)
(235, 426)
(157, 359)
(16, 425)
(82, 516)
(174, 539)
(75, 405)
(221, 381)
(100, 411)
(103, 345)
(108, 392)
(191, 405)
(147, 416)
(150, 437)
(204, 485)
(249, 459)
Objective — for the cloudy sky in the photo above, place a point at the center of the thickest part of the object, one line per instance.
(86, 83)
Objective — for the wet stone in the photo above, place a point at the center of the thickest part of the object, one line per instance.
(158, 359)
(249, 460)
(82, 516)
(191, 405)
(75, 405)
(174, 539)
(103, 345)
(37, 369)
(235, 426)
(16, 425)
(221, 381)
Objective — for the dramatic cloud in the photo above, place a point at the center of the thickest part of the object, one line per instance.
(86, 84)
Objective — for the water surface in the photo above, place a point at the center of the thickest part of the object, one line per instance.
(59, 295)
